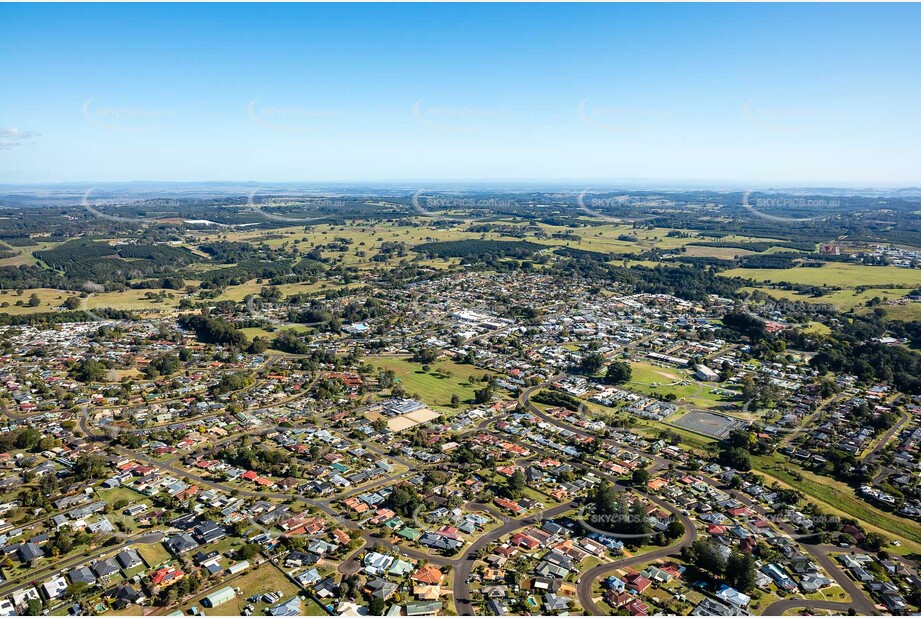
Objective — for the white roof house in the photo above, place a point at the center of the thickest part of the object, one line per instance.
(55, 588)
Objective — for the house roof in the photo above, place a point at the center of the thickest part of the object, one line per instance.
(428, 574)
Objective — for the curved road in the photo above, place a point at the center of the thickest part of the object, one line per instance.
(466, 561)
(859, 600)
(777, 608)
(588, 578)
(463, 570)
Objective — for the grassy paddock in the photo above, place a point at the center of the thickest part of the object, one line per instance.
(841, 497)
(265, 578)
(843, 300)
(833, 274)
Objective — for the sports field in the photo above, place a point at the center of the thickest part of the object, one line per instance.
(657, 381)
(715, 425)
(435, 387)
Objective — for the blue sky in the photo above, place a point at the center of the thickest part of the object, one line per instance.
(778, 94)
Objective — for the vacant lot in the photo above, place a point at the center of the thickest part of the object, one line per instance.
(153, 554)
(265, 578)
(49, 300)
(723, 253)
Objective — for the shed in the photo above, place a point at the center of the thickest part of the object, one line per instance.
(219, 596)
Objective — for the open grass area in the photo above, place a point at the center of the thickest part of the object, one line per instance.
(658, 381)
(23, 258)
(722, 253)
(111, 496)
(134, 300)
(833, 274)
(689, 439)
(843, 300)
(840, 496)
(49, 300)
(254, 286)
(153, 554)
(265, 578)
(816, 328)
(254, 332)
(444, 379)
(907, 312)
(368, 239)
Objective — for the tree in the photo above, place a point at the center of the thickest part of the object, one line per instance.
(735, 457)
(516, 484)
(385, 378)
(425, 356)
(290, 341)
(34, 607)
(377, 606)
(637, 523)
(639, 477)
(483, 395)
(672, 437)
(875, 541)
(259, 345)
(76, 590)
(608, 505)
(163, 364)
(88, 370)
(455, 400)
(249, 550)
(72, 303)
(34, 300)
(590, 363)
(28, 439)
(706, 556)
(675, 530)
(740, 571)
(89, 467)
(618, 372)
(404, 501)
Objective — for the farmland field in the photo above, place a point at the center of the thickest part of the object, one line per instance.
(843, 300)
(837, 275)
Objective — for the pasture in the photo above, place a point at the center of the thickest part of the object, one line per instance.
(834, 275)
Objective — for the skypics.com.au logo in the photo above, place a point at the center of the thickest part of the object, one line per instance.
(456, 119)
(618, 118)
(596, 204)
(438, 206)
(289, 118)
(761, 206)
(288, 201)
(125, 118)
